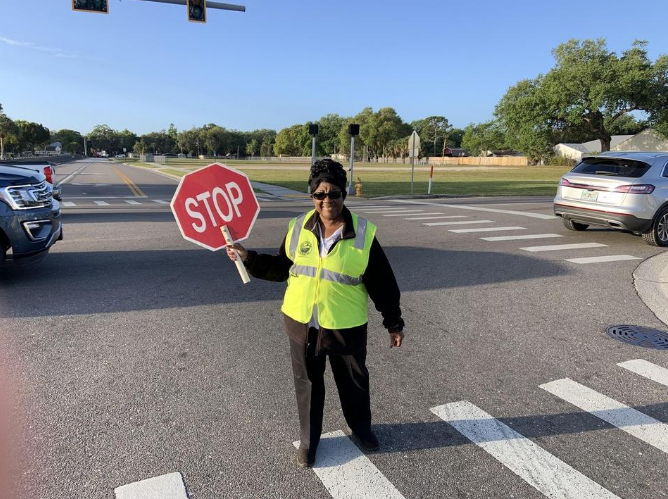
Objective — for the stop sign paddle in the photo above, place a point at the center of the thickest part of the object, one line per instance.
(212, 200)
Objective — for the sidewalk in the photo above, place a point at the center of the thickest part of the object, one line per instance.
(651, 282)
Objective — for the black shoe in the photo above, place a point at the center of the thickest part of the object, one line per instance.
(368, 441)
(305, 459)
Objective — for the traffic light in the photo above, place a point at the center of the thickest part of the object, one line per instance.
(354, 129)
(313, 130)
(101, 6)
(197, 11)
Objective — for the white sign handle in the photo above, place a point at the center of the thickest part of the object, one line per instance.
(240, 265)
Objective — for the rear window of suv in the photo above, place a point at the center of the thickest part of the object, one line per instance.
(612, 167)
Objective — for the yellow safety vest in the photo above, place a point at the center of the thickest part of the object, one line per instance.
(334, 283)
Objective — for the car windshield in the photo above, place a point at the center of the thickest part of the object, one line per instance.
(612, 167)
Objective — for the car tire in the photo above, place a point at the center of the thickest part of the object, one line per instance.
(571, 225)
(657, 235)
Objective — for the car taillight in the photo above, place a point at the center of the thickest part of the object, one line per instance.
(564, 182)
(636, 189)
(48, 172)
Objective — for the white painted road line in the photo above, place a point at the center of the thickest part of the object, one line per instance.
(389, 210)
(130, 201)
(476, 208)
(160, 201)
(540, 469)
(486, 229)
(633, 422)
(461, 223)
(68, 204)
(168, 486)
(435, 218)
(559, 247)
(603, 259)
(647, 369)
(403, 213)
(347, 473)
(101, 203)
(526, 236)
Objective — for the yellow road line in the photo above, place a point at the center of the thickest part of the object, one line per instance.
(132, 186)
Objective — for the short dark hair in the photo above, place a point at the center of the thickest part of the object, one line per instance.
(327, 170)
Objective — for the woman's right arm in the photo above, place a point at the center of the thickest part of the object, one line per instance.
(262, 266)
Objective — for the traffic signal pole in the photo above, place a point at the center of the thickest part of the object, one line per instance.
(210, 5)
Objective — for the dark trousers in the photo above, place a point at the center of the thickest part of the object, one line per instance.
(352, 381)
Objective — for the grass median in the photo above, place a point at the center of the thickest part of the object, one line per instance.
(391, 179)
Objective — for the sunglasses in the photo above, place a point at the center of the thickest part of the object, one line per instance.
(331, 195)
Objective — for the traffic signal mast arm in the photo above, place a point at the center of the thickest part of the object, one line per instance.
(210, 5)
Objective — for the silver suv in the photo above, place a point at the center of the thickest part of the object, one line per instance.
(621, 190)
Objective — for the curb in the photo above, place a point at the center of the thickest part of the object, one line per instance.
(651, 282)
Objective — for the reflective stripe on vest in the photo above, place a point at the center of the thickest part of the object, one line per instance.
(333, 283)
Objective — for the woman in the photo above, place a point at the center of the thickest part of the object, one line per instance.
(333, 263)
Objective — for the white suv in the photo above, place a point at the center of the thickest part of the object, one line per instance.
(621, 190)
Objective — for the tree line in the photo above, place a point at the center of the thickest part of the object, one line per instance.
(590, 94)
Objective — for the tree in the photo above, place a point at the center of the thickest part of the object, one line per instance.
(329, 127)
(293, 141)
(216, 139)
(103, 138)
(71, 139)
(7, 129)
(584, 95)
(478, 139)
(434, 130)
(32, 134)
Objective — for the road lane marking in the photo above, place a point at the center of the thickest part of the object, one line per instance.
(130, 201)
(404, 213)
(476, 208)
(101, 203)
(388, 210)
(160, 201)
(633, 422)
(347, 473)
(559, 247)
(486, 229)
(131, 185)
(540, 469)
(461, 223)
(525, 236)
(435, 218)
(68, 204)
(647, 369)
(603, 259)
(168, 486)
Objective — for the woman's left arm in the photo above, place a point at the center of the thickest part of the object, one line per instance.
(383, 290)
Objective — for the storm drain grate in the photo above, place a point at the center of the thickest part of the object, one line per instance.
(641, 336)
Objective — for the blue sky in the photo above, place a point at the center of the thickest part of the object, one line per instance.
(283, 62)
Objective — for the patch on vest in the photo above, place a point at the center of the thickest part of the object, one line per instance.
(305, 248)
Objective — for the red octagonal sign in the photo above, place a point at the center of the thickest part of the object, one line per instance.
(211, 197)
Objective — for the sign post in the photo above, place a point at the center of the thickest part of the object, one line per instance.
(413, 151)
(215, 206)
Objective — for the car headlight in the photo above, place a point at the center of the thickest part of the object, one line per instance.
(25, 197)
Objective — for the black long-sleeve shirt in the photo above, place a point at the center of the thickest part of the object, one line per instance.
(378, 278)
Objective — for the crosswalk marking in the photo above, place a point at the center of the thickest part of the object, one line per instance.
(540, 469)
(347, 473)
(486, 229)
(168, 486)
(435, 218)
(132, 201)
(559, 247)
(461, 223)
(101, 203)
(633, 422)
(403, 213)
(160, 201)
(602, 259)
(647, 369)
(388, 210)
(478, 208)
(68, 204)
(524, 236)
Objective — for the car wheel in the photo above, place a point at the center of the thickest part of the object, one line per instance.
(571, 225)
(658, 234)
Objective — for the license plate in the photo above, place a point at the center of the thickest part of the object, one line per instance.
(589, 195)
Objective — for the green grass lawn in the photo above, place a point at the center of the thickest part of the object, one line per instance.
(387, 179)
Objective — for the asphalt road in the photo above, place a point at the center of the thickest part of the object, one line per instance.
(137, 354)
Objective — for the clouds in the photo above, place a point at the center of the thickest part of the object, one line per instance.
(56, 52)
